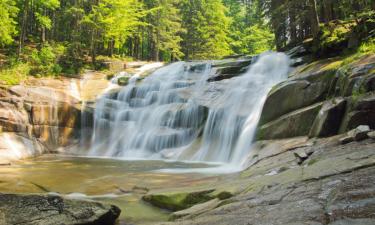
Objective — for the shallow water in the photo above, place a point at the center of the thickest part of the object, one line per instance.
(107, 180)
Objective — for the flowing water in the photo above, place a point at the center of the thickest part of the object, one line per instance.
(176, 113)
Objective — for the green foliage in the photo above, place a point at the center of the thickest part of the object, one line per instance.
(258, 39)
(8, 12)
(335, 32)
(44, 61)
(207, 28)
(249, 32)
(14, 74)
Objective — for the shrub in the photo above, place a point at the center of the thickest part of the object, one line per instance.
(44, 62)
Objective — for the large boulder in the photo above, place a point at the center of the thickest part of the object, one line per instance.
(297, 93)
(329, 118)
(63, 115)
(360, 111)
(297, 123)
(54, 210)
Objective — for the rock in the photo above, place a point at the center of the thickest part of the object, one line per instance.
(197, 209)
(359, 133)
(297, 51)
(328, 120)
(54, 210)
(361, 110)
(297, 123)
(229, 69)
(371, 134)
(14, 146)
(296, 94)
(346, 139)
(122, 81)
(54, 137)
(63, 115)
(178, 201)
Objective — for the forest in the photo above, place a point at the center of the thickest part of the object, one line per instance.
(62, 36)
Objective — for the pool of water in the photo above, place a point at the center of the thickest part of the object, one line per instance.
(118, 182)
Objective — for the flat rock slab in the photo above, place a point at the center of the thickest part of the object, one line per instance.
(54, 210)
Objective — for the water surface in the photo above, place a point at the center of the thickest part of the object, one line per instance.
(111, 181)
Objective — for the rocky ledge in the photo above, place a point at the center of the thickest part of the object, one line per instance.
(54, 210)
(293, 182)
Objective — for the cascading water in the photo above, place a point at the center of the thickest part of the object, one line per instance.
(175, 113)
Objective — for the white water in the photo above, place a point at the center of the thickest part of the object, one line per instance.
(175, 113)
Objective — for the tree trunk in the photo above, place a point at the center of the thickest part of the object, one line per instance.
(23, 28)
(328, 10)
(314, 19)
(44, 28)
(93, 48)
(292, 25)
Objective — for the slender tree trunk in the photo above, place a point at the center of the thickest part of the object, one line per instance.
(328, 10)
(93, 48)
(292, 25)
(314, 20)
(44, 28)
(23, 28)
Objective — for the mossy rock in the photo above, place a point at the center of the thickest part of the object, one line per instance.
(178, 201)
(122, 81)
(339, 35)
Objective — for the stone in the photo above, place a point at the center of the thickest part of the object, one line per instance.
(63, 115)
(54, 210)
(361, 110)
(122, 81)
(359, 133)
(229, 69)
(328, 120)
(346, 139)
(197, 209)
(297, 123)
(371, 134)
(297, 93)
(178, 201)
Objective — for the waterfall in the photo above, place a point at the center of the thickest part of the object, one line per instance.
(176, 113)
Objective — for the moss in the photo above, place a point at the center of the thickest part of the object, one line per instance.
(122, 81)
(312, 161)
(224, 195)
(179, 201)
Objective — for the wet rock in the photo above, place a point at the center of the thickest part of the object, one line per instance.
(54, 210)
(297, 123)
(328, 120)
(228, 69)
(63, 115)
(122, 81)
(178, 201)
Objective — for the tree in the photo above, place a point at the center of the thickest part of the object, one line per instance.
(314, 18)
(8, 11)
(207, 28)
